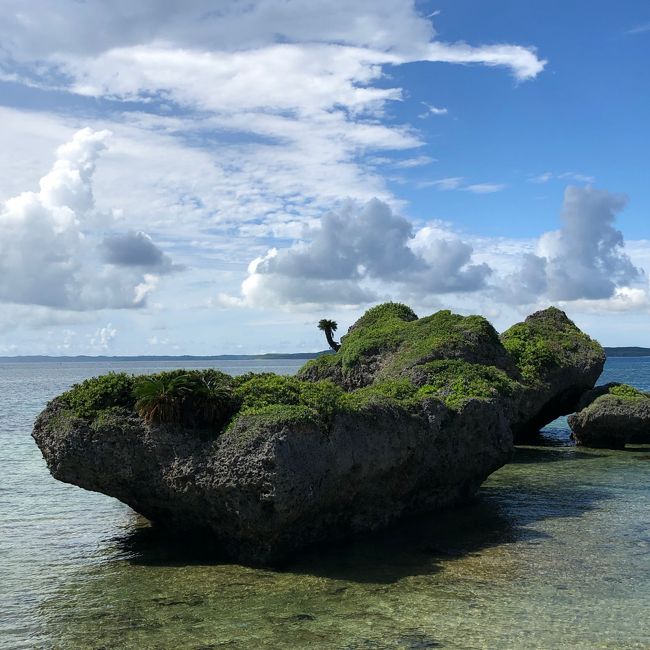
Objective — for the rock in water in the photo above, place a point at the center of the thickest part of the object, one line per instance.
(611, 416)
(408, 416)
(558, 363)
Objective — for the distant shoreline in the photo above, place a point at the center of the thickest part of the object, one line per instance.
(185, 357)
(627, 352)
(609, 351)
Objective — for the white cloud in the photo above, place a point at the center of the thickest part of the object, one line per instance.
(639, 29)
(541, 178)
(433, 110)
(624, 299)
(290, 88)
(576, 176)
(135, 249)
(356, 253)
(584, 260)
(458, 183)
(485, 188)
(564, 176)
(103, 338)
(523, 61)
(450, 183)
(418, 161)
(48, 244)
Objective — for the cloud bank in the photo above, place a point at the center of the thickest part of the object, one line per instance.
(364, 253)
(49, 245)
(355, 255)
(584, 260)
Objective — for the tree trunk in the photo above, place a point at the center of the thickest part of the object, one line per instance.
(332, 343)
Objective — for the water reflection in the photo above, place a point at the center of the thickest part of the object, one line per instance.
(405, 587)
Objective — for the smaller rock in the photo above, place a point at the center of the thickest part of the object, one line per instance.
(611, 416)
(558, 363)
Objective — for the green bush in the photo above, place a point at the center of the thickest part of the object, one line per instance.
(531, 352)
(455, 381)
(624, 391)
(395, 392)
(95, 394)
(323, 397)
(256, 391)
(263, 390)
(544, 340)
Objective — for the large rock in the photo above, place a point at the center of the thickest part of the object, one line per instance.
(409, 416)
(269, 486)
(558, 363)
(611, 416)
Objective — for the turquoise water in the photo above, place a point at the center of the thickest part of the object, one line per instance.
(554, 553)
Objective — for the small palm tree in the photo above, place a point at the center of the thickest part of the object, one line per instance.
(329, 326)
(209, 401)
(159, 398)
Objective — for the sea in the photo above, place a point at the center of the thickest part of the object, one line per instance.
(554, 553)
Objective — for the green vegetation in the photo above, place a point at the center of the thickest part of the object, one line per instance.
(546, 339)
(398, 360)
(198, 399)
(265, 389)
(322, 366)
(159, 398)
(532, 352)
(250, 424)
(329, 326)
(93, 395)
(409, 341)
(625, 391)
(257, 392)
(455, 381)
(384, 312)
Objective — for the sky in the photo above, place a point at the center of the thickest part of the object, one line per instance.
(207, 177)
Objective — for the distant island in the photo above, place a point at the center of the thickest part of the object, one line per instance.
(610, 352)
(627, 352)
(184, 357)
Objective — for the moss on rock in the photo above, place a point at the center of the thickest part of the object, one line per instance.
(389, 341)
(455, 382)
(611, 416)
(546, 340)
(389, 358)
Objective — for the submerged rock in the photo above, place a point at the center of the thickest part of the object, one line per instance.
(408, 416)
(611, 416)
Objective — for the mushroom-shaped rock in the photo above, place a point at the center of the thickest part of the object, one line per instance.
(409, 415)
(557, 363)
(611, 416)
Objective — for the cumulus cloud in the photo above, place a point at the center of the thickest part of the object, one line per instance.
(584, 260)
(48, 240)
(356, 252)
(103, 337)
(135, 249)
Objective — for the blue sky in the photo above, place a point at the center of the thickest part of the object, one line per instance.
(218, 180)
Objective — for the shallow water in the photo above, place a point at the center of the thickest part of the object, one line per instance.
(554, 553)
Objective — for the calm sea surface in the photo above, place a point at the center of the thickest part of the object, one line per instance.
(555, 553)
